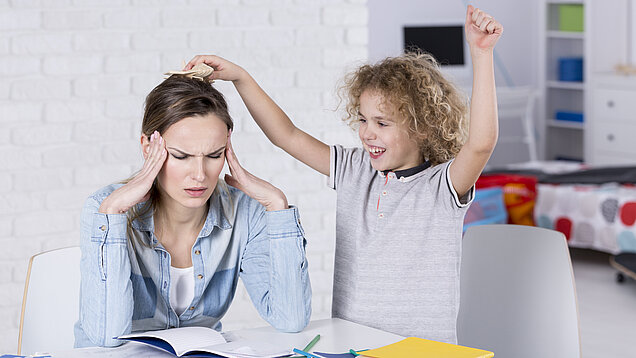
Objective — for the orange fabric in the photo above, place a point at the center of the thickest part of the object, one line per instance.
(520, 193)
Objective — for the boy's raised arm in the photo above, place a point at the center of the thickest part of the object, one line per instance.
(482, 33)
(268, 115)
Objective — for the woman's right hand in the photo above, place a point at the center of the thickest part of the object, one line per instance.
(137, 190)
(223, 69)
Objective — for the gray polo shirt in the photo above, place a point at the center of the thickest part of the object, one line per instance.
(398, 247)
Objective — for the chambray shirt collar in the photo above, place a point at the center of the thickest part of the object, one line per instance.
(216, 217)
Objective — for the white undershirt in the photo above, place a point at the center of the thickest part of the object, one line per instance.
(181, 288)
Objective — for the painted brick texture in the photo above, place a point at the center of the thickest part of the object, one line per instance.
(74, 75)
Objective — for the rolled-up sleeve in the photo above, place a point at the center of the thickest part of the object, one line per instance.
(106, 294)
(274, 268)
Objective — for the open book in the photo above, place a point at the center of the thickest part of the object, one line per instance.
(204, 342)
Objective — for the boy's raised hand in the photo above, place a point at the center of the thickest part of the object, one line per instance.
(223, 69)
(482, 30)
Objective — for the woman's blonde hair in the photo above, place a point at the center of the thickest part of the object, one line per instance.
(426, 104)
(174, 99)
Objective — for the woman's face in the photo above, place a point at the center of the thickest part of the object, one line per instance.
(196, 154)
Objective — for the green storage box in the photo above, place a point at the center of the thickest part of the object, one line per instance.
(571, 17)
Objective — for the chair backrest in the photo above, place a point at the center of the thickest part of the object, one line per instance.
(50, 305)
(517, 138)
(518, 297)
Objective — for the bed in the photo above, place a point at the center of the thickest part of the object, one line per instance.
(594, 208)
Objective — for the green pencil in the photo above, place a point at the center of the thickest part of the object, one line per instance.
(309, 346)
(312, 343)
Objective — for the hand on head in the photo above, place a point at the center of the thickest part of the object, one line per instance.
(137, 190)
(482, 30)
(223, 69)
(265, 193)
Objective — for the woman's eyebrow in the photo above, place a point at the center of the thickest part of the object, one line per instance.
(218, 151)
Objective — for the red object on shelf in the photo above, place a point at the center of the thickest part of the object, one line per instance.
(520, 193)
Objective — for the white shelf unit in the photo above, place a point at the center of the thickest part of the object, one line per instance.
(560, 139)
(610, 134)
(608, 39)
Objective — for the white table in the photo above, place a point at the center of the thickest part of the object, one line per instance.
(336, 336)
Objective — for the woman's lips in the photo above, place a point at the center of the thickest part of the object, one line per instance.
(195, 192)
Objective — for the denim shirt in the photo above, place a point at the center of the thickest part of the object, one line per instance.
(125, 285)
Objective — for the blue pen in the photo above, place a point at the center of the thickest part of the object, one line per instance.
(296, 350)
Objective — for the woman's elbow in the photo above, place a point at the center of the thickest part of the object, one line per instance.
(292, 326)
(83, 339)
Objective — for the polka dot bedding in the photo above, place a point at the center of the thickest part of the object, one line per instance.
(599, 217)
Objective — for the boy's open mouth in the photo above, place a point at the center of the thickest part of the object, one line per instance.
(376, 152)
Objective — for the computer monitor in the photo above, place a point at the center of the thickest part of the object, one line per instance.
(444, 41)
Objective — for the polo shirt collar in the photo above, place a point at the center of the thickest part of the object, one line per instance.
(405, 173)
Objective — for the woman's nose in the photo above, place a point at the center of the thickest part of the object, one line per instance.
(198, 172)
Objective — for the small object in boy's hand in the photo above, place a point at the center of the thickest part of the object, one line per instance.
(200, 71)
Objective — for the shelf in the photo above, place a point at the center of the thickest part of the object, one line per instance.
(566, 35)
(566, 85)
(566, 124)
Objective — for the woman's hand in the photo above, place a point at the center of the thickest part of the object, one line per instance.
(137, 190)
(223, 69)
(482, 30)
(265, 193)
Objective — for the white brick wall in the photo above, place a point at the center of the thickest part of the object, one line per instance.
(74, 74)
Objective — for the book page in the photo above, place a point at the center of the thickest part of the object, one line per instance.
(244, 348)
(184, 339)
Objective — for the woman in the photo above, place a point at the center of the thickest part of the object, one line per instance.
(166, 248)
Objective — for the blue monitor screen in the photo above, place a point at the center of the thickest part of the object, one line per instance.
(445, 43)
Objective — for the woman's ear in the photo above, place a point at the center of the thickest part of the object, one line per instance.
(145, 145)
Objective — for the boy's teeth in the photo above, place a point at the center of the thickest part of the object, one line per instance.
(376, 150)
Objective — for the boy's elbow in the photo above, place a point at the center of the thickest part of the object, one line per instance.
(483, 148)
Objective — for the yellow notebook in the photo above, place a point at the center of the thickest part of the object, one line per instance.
(423, 348)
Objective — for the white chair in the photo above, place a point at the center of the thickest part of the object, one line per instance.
(50, 306)
(518, 297)
(517, 138)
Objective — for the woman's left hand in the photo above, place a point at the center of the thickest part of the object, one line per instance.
(265, 193)
(482, 30)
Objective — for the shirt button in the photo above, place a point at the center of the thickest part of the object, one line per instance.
(384, 193)
(381, 215)
(165, 284)
(197, 252)
(191, 308)
(103, 227)
(402, 179)
(199, 276)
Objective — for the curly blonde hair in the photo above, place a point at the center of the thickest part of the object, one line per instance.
(426, 104)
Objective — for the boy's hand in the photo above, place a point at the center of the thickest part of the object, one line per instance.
(482, 31)
(223, 69)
